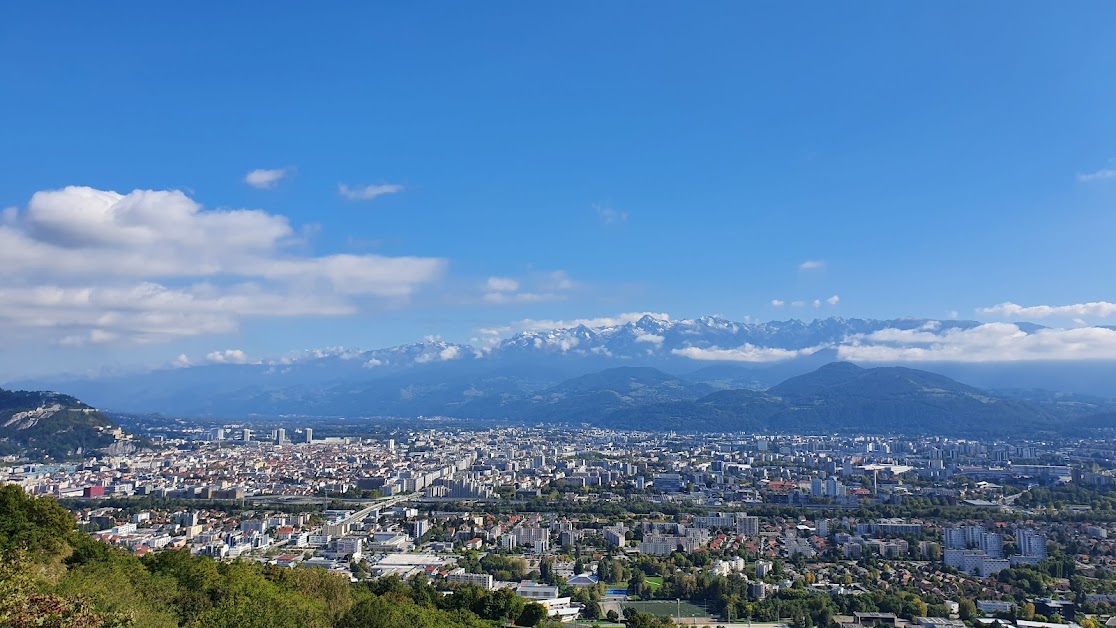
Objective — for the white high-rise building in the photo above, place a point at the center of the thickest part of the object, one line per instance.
(747, 526)
(1030, 543)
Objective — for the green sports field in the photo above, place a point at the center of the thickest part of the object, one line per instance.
(667, 607)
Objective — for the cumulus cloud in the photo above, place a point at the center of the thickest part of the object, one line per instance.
(812, 264)
(990, 342)
(228, 356)
(833, 300)
(266, 179)
(654, 339)
(91, 266)
(610, 216)
(182, 361)
(367, 192)
(743, 353)
(1096, 309)
(777, 303)
(1099, 175)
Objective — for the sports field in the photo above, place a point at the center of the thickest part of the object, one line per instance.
(667, 607)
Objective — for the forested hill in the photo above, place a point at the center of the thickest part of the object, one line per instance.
(47, 424)
(53, 575)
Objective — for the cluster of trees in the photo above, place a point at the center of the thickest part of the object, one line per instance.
(728, 595)
(53, 575)
(1100, 498)
(500, 566)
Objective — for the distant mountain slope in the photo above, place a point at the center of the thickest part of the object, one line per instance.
(589, 397)
(435, 377)
(42, 424)
(842, 397)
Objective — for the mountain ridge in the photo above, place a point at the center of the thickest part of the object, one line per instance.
(434, 375)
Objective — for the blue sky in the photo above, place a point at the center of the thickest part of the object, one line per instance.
(589, 159)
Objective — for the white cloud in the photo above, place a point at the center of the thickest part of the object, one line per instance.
(434, 354)
(833, 300)
(817, 303)
(544, 325)
(502, 284)
(503, 298)
(610, 216)
(541, 287)
(1099, 175)
(1096, 309)
(990, 342)
(373, 363)
(744, 353)
(182, 361)
(266, 179)
(798, 304)
(228, 356)
(651, 338)
(305, 355)
(777, 303)
(367, 192)
(812, 264)
(559, 280)
(91, 266)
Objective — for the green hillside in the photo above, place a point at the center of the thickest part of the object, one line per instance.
(46, 424)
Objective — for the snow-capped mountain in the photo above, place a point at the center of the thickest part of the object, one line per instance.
(434, 376)
(650, 338)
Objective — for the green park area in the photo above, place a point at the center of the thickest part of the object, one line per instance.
(669, 608)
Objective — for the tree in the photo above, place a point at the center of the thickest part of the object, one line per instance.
(967, 610)
(592, 610)
(934, 553)
(604, 569)
(36, 525)
(21, 604)
(533, 613)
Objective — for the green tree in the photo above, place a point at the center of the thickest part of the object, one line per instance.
(36, 525)
(967, 610)
(533, 613)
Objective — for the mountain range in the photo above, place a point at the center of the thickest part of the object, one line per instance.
(624, 374)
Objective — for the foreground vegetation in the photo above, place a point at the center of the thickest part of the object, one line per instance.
(53, 575)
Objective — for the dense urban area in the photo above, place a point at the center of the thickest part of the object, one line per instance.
(538, 525)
